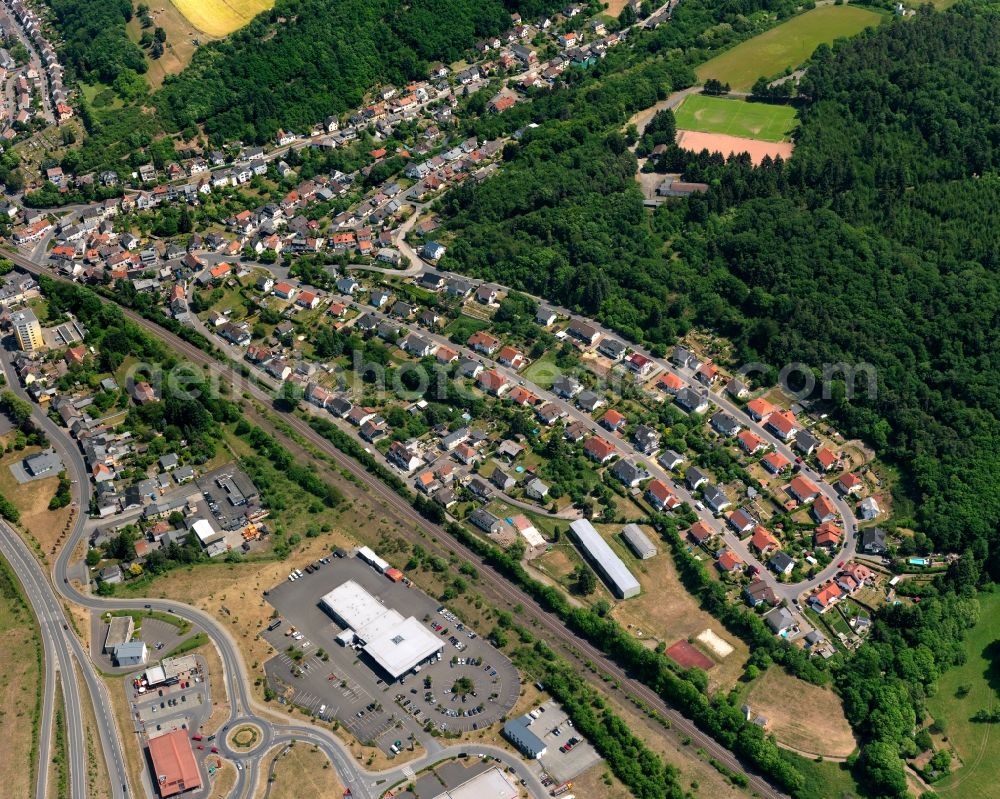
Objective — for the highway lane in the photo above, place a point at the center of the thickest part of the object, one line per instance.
(58, 661)
(499, 586)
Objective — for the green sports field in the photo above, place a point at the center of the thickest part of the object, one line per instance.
(736, 118)
(787, 45)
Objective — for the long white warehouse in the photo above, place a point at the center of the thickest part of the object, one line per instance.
(615, 573)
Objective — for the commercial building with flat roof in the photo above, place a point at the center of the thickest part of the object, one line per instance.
(120, 630)
(615, 573)
(131, 653)
(403, 647)
(206, 533)
(393, 643)
(174, 767)
(491, 784)
(638, 542)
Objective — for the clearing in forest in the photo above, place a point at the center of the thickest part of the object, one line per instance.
(763, 121)
(786, 46)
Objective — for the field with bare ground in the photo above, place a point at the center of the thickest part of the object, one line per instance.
(302, 771)
(665, 611)
(46, 527)
(696, 141)
(180, 45)
(807, 717)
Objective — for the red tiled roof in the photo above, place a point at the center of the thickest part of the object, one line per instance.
(174, 766)
(599, 448)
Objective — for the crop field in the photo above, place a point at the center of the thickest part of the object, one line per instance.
(761, 121)
(785, 46)
(220, 17)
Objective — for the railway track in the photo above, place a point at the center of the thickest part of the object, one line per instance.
(495, 584)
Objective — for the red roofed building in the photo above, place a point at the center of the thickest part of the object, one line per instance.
(510, 357)
(307, 299)
(174, 767)
(729, 562)
(493, 383)
(775, 462)
(759, 409)
(783, 424)
(521, 396)
(483, 342)
(849, 484)
(750, 442)
(640, 364)
(219, 271)
(670, 383)
(827, 458)
(700, 532)
(823, 510)
(803, 490)
(763, 541)
(823, 599)
(828, 535)
(500, 104)
(613, 420)
(599, 450)
(284, 290)
(859, 571)
(660, 495)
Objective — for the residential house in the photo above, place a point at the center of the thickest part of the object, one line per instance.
(781, 563)
(823, 510)
(583, 332)
(868, 509)
(613, 421)
(660, 496)
(873, 541)
(646, 439)
(828, 535)
(691, 401)
(695, 478)
(716, 498)
(742, 521)
(759, 593)
(750, 442)
(700, 532)
(670, 460)
(802, 489)
(763, 541)
(775, 462)
(492, 382)
(724, 424)
(589, 401)
(630, 474)
(729, 562)
(599, 449)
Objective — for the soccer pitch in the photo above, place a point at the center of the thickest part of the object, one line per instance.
(220, 17)
(736, 118)
(787, 45)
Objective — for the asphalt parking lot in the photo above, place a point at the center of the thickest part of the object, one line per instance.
(320, 672)
(554, 727)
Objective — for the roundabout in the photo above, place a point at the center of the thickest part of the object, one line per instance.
(245, 737)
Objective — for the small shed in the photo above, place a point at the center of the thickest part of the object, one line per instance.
(638, 542)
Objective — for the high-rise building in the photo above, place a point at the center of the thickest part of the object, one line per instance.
(27, 330)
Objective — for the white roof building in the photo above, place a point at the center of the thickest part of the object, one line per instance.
(402, 647)
(206, 533)
(394, 643)
(492, 784)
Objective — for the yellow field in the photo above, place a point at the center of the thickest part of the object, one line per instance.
(220, 17)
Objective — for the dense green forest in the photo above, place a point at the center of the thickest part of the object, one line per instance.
(95, 45)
